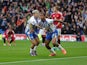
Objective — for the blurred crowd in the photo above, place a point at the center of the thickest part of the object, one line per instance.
(17, 12)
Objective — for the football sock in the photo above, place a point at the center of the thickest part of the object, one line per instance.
(11, 41)
(55, 48)
(31, 50)
(59, 41)
(60, 47)
(4, 40)
(43, 39)
(52, 50)
(35, 47)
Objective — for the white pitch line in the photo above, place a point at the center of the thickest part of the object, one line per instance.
(2, 63)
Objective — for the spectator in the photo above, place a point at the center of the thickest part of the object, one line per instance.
(13, 12)
(78, 37)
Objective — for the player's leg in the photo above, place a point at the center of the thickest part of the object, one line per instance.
(13, 40)
(4, 40)
(43, 35)
(59, 43)
(49, 48)
(33, 42)
(55, 45)
(47, 41)
(59, 34)
(54, 40)
(36, 44)
(43, 40)
(8, 40)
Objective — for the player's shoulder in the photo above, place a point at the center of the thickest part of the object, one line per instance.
(31, 18)
(59, 12)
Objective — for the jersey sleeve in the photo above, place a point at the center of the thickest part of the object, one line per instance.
(49, 20)
(30, 24)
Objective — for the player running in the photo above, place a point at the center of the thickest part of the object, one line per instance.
(50, 31)
(43, 23)
(32, 32)
(58, 19)
(9, 36)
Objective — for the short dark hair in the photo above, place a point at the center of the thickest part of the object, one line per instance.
(42, 13)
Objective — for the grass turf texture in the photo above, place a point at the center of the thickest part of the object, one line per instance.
(19, 54)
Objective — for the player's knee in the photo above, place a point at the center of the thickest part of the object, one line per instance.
(47, 45)
(54, 45)
(38, 41)
(36, 44)
(59, 37)
(54, 41)
(3, 36)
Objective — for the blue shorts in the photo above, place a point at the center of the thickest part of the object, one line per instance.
(51, 35)
(32, 35)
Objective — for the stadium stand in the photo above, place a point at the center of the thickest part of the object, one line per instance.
(17, 12)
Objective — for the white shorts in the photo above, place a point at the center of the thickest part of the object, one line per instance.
(42, 32)
(59, 31)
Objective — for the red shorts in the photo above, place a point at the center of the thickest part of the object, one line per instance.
(12, 37)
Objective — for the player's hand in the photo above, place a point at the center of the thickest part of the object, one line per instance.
(59, 20)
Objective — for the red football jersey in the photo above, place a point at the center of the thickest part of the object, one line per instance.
(58, 16)
(9, 33)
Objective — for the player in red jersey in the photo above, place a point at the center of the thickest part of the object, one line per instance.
(58, 20)
(8, 36)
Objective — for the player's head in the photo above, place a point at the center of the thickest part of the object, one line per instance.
(55, 8)
(42, 16)
(35, 13)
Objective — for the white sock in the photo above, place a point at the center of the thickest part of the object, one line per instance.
(53, 50)
(31, 50)
(35, 48)
(4, 44)
(43, 44)
(60, 47)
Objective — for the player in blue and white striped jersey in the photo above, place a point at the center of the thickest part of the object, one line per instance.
(50, 31)
(32, 30)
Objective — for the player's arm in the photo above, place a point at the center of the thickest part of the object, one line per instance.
(7, 36)
(59, 20)
(38, 26)
(31, 27)
(49, 20)
(30, 24)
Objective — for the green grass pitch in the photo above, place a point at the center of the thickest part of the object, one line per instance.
(19, 54)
